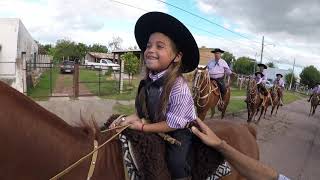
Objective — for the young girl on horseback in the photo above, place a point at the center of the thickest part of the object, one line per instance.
(163, 95)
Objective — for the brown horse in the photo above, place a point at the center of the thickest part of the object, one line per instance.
(37, 144)
(253, 100)
(274, 101)
(207, 95)
(315, 100)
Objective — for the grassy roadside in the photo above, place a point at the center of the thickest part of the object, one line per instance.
(42, 90)
(109, 87)
(235, 105)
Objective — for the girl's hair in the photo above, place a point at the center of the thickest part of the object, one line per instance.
(173, 72)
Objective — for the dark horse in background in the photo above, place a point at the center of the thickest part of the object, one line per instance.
(254, 101)
(207, 94)
(36, 144)
(315, 101)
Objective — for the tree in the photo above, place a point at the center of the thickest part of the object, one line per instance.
(244, 65)
(98, 48)
(43, 49)
(271, 65)
(131, 64)
(310, 76)
(81, 50)
(288, 77)
(65, 49)
(115, 43)
(228, 57)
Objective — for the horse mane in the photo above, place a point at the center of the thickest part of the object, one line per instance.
(84, 129)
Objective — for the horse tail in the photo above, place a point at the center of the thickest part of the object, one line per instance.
(252, 130)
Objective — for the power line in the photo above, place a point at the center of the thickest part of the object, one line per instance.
(209, 32)
(205, 19)
(188, 25)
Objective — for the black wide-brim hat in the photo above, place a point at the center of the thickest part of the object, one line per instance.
(152, 22)
(215, 50)
(279, 75)
(263, 65)
(259, 73)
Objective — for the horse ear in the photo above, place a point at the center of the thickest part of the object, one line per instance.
(206, 67)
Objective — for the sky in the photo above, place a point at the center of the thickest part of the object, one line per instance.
(291, 28)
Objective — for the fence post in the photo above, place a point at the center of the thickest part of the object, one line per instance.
(76, 81)
(51, 66)
(99, 79)
(121, 75)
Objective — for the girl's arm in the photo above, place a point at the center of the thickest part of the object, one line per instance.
(136, 124)
(160, 127)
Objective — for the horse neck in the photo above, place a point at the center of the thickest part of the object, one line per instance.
(110, 161)
(42, 136)
(205, 84)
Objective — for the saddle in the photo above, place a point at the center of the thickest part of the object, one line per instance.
(144, 158)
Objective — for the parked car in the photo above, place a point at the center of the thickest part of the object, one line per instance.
(102, 64)
(67, 67)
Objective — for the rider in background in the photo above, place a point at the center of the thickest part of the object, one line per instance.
(262, 82)
(217, 68)
(315, 91)
(280, 82)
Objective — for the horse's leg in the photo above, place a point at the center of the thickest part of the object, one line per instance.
(272, 109)
(278, 107)
(213, 111)
(261, 112)
(310, 110)
(314, 109)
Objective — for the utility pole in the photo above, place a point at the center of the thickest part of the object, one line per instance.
(294, 63)
(255, 63)
(262, 45)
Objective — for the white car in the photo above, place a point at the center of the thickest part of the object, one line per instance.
(103, 64)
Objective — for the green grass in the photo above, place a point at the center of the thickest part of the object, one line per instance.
(236, 105)
(237, 92)
(42, 91)
(290, 97)
(109, 88)
(124, 109)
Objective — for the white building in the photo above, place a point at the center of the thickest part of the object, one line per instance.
(16, 45)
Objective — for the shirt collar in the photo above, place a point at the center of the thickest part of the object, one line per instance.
(157, 76)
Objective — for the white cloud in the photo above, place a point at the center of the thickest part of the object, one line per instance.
(291, 25)
(82, 20)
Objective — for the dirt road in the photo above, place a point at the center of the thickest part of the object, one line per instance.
(290, 142)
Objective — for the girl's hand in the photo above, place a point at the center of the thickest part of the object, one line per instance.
(124, 121)
(206, 135)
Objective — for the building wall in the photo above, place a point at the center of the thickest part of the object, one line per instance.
(15, 39)
(8, 40)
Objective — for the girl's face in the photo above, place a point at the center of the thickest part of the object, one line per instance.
(160, 52)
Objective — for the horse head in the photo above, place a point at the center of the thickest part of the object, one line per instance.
(252, 87)
(201, 79)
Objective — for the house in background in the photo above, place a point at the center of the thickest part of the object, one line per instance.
(16, 46)
(96, 56)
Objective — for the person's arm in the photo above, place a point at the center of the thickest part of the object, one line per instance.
(248, 167)
(160, 127)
